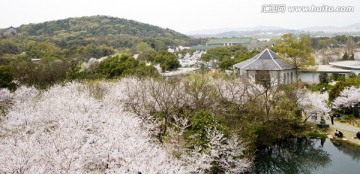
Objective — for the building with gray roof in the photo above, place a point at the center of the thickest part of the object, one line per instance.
(266, 67)
(9, 31)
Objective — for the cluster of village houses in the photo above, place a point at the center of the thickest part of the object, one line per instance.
(267, 64)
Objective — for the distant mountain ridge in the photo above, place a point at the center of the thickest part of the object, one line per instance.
(330, 29)
(273, 31)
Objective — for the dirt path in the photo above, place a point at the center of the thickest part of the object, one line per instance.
(344, 126)
(348, 130)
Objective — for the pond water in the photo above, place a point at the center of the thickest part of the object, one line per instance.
(306, 155)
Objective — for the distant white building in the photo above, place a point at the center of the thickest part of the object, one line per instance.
(266, 66)
(341, 67)
(248, 42)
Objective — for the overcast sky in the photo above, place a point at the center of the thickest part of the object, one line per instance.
(180, 15)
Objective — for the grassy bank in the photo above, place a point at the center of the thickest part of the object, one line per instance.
(314, 131)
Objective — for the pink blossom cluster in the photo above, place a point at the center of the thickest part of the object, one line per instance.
(83, 128)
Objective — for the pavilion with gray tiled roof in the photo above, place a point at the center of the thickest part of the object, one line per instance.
(267, 62)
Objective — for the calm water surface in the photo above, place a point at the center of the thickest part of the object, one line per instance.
(305, 155)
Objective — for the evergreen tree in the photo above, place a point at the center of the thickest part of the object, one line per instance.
(6, 78)
(352, 57)
(323, 78)
(296, 51)
(345, 56)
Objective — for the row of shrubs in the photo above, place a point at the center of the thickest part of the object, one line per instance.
(46, 73)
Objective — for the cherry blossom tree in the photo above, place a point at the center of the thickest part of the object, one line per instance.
(349, 97)
(313, 102)
(84, 128)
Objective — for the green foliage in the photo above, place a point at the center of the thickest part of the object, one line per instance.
(201, 91)
(226, 63)
(100, 30)
(352, 75)
(318, 87)
(238, 50)
(91, 50)
(123, 65)
(158, 45)
(147, 56)
(168, 61)
(345, 56)
(323, 78)
(143, 47)
(353, 81)
(246, 55)
(96, 36)
(339, 86)
(217, 53)
(295, 51)
(267, 121)
(317, 134)
(42, 74)
(334, 42)
(228, 56)
(336, 89)
(185, 51)
(347, 118)
(45, 51)
(321, 42)
(75, 73)
(352, 57)
(6, 59)
(221, 102)
(6, 78)
(272, 131)
(9, 46)
(201, 122)
(337, 77)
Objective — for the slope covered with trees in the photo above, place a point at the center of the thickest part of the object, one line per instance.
(50, 52)
(73, 33)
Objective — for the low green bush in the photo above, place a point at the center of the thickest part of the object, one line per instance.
(317, 87)
(317, 134)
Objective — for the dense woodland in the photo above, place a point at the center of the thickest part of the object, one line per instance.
(50, 52)
(74, 35)
(335, 42)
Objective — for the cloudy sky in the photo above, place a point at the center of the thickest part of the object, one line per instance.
(180, 15)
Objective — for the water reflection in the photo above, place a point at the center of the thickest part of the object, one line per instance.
(296, 155)
(349, 150)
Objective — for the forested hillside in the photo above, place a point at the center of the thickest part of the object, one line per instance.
(117, 33)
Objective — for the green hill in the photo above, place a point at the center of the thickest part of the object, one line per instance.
(98, 30)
